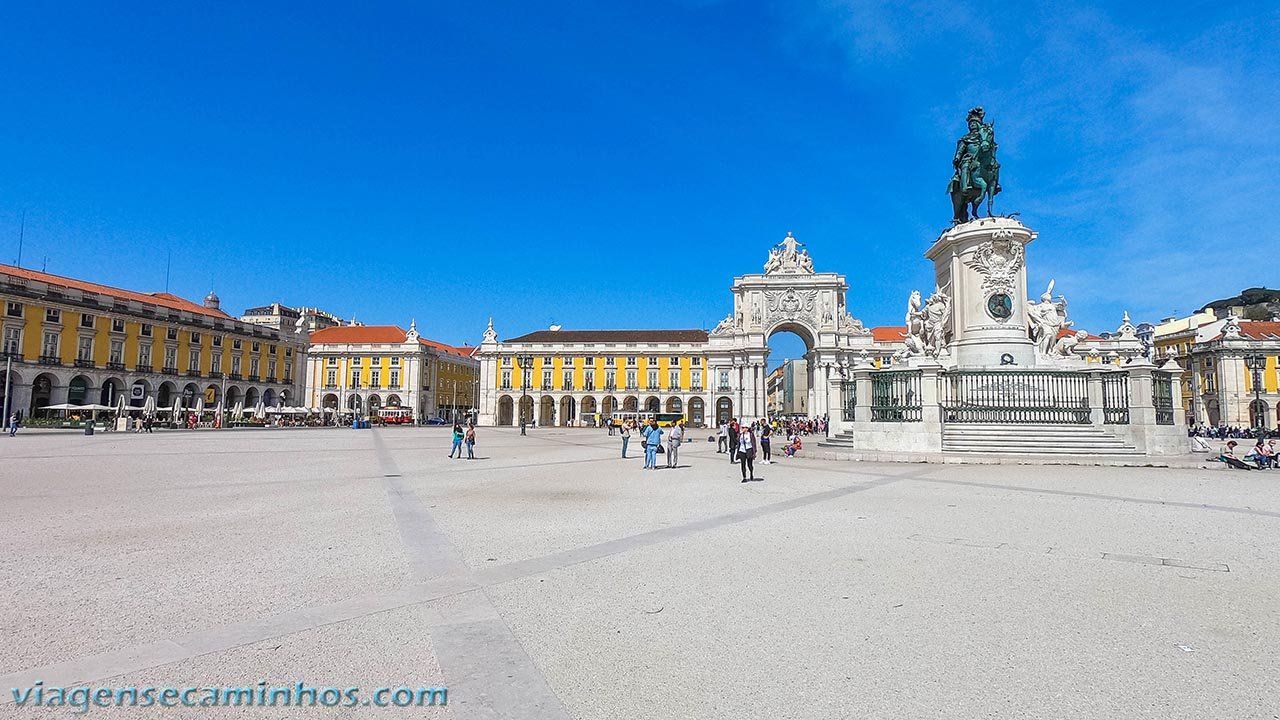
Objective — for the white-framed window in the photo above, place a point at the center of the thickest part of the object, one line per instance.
(13, 309)
(395, 362)
(695, 379)
(215, 363)
(697, 360)
(332, 362)
(375, 377)
(52, 315)
(195, 338)
(85, 350)
(235, 364)
(608, 362)
(631, 361)
(116, 354)
(51, 343)
(631, 379)
(674, 360)
(653, 362)
(216, 340)
(506, 379)
(355, 378)
(171, 333)
(567, 383)
(589, 380)
(171, 357)
(13, 340)
(546, 378)
(395, 375)
(254, 365)
(331, 378)
(117, 325)
(653, 378)
(611, 378)
(145, 330)
(86, 320)
(144, 354)
(271, 367)
(673, 379)
(193, 360)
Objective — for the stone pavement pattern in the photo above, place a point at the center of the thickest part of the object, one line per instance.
(551, 579)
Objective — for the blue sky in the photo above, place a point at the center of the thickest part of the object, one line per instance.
(616, 164)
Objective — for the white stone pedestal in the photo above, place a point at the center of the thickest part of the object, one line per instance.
(982, 266)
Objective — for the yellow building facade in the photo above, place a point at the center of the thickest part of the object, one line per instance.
(365, 369)
(78, 342)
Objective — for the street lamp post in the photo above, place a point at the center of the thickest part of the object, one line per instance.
(1257, 363)
(526, 367)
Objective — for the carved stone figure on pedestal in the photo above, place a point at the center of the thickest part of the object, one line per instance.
(1065, 347)
(937, 310)
(724, 327)
(786, 258)
(977, 172)
(915, 339)
(1046, 318)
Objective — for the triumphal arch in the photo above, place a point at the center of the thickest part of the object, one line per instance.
(788, 296)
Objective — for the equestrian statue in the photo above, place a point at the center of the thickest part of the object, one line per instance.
(977, 172)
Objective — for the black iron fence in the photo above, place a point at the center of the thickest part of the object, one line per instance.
(895, 396)
(848, 399)
(1059, 398)
(1162, 397)
(1115, 398)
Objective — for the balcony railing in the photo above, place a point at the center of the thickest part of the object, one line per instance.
(235, 376)
(271, 378)
(216, 374)
(546, 386)
(115, 365)
(169, 371)
(253, 378)
(50, 360)
(142, 368)
(193, 373)
(330, 386)
(84, 363)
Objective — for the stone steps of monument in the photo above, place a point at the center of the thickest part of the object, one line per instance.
(1044, 439)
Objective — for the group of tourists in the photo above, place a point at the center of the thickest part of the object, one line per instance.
(651, 436)
(1263, 456)
(463, 437)
(1225, 432)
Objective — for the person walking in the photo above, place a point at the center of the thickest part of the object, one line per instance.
(652, 439)
(674, 438)
(13, 424)
(457, 441)
(722, 438)
(734, 431)
(765, 433)
(747, 453)
(470, 440)
(625, 431)
(609, 424)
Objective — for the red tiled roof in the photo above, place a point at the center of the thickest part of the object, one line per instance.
(359, 334)
(892, 333)
(1260, 329)
(162, 299)
(1063, 332)
(445, 348)
(377, 334)
(612, 336)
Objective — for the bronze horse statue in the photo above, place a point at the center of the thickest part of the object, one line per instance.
(977, 172)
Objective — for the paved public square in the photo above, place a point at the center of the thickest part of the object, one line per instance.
(551, 579)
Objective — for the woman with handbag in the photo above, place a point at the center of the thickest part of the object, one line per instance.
(747, 452)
